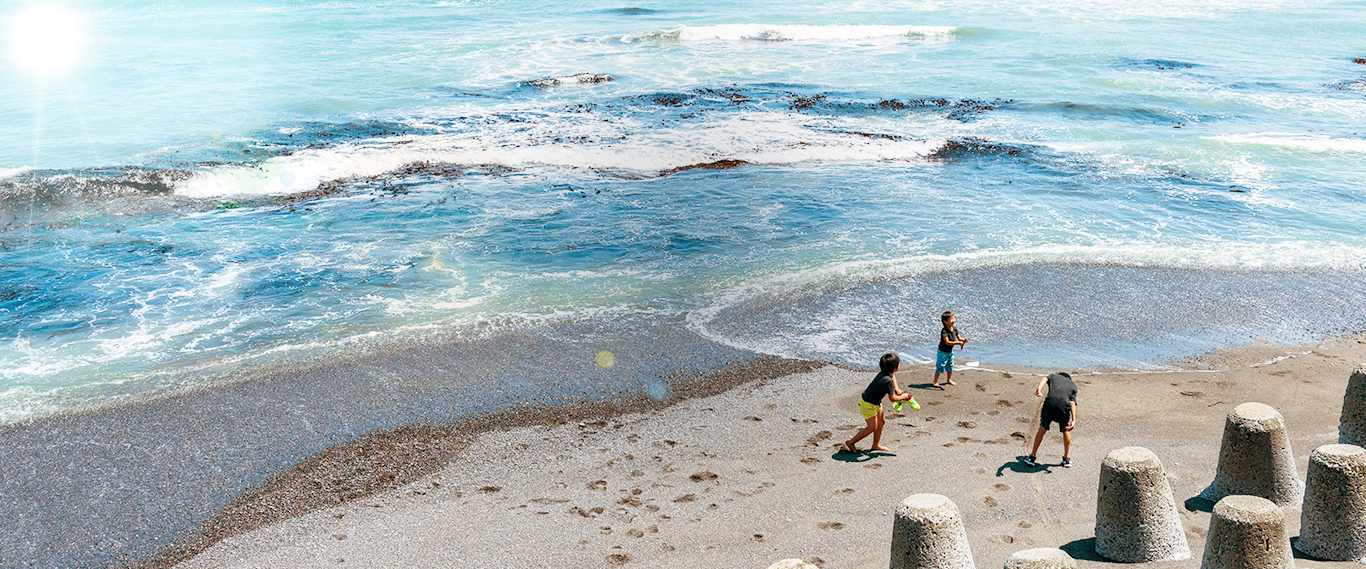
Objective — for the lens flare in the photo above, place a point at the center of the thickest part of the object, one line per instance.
(606, 359)
(45, 39)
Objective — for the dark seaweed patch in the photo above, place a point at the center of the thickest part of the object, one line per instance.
(1354, 85)
(959, 109)
(1161, 64)
(630, 11)
(718, 165)
(968, 148)
(1361, 60)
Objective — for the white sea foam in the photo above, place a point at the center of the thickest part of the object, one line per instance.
(1296, 141)
(757, 137)
(11, 172)
(1207, 255)
(794, 33)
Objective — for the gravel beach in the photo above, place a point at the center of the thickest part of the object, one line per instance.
(751, 475)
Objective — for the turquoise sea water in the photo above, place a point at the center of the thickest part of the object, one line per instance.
(207, 189)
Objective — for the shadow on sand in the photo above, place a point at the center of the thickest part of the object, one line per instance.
(1198, 504)
(860, 456)
(1083, 550)
(1018, 466)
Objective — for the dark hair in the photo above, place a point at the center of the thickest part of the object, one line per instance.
(945, 316)
(889, 362)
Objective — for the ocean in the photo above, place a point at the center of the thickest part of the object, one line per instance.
(195, 194)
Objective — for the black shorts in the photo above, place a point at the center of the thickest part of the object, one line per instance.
(1055, 414)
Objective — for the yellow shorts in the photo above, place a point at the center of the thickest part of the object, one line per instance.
(868, 410)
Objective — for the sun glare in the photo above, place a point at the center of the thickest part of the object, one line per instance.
(45, 39)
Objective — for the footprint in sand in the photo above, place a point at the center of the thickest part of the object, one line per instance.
(490, 489)
(703, 476)
(757, 537)
(1022, 419)
(686, 498)
(994, 412)
(618, 559)
(1017, 435)
(874, 465)
(1001, 487)
(1025, 524)
(635, 533)
(845, 491)
(811, 460)
(979, 455)
(597, 485)
(981, 387)
(848, 428)
(1002, 538)
(830, 525)
(990, 502)
(1003, 402)
(1193, 393)
(967, 424)
(979, 470)
(817, 438)
(751, 418)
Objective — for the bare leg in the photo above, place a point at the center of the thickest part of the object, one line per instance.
(1038, 438)
(868, 430)
(936, 379)
(1066, 443)
(949, 377)
(877, 434)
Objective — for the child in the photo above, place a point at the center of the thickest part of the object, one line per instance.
(1059, 407)
(870, 404)
(948, 338)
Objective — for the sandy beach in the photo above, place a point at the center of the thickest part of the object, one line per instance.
(751, 475)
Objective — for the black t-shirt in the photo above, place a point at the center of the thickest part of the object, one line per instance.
(1061, 391)
(945, 336)
(879, 387)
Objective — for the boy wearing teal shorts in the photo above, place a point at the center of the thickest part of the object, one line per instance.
(870, 403)
(948, 338)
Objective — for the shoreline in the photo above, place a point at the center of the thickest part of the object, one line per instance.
(381, 461)
(535, 459)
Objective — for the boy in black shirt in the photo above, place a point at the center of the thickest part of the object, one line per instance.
(1059, 407)
(948, 338)
(870, 403)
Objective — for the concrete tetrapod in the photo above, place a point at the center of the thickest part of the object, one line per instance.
(1041, 558)
(1352, 429)
(1333, 521)
(928, 533)
(1247, 532)
(1255, 458)
(1136, 516)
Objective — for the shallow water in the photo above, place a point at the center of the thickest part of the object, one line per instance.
(211, 190)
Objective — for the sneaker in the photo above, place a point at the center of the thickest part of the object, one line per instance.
(1030, 462)
(1066, 462)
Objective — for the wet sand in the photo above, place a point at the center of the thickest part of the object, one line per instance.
(153, 482)
(751, 475)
